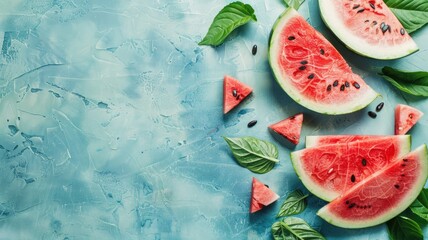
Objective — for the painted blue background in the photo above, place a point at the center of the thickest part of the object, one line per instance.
(111, 120)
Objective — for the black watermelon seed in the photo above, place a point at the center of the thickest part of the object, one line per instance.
(238, 97)
(367, 21)
(361, 10)
(267, 185)
(364, 162)
(347, 84)
(347, 202)
(402, 32)
(235, 93)
(356, 85)
(372, 5)
(329, 88)
(322, 51)
(372, 114)
(352, 205)
(411, 115)
(291, 38)
(342, 87)
(356, 6)
(352, 178)
(311, 76)
(302, 68)
(405, 160)
(389, 29)
(254, 50)
(374, 23)
(335, 83)
(304, 62)
(397, 186)
(252, 123)
(379, 107)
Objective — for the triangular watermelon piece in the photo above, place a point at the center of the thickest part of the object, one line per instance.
(289, 128)
(234, 92)
(261, 196)
(405, 118)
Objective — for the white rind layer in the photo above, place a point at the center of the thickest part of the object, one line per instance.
(338, 108)
(330, 217)
(357, 44)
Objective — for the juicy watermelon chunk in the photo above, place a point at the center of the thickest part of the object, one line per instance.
(234, 92)
(289, 128)
(313, 141)
(261, 196)
(382, 195)
(311, 71)
(405, 118)
(330, 170)
(368, 27)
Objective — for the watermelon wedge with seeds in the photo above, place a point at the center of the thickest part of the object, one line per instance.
(289, 128)
(368, 27)
(381, 196)
(405, 118)
(261, 196)
(330, 170)
(234, 92)
(313, 141)
(311, 71)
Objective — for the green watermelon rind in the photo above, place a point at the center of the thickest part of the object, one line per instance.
(356, 44)
(408, 200)
(328, 109)
(324, 194)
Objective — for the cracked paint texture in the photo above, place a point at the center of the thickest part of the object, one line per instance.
(111, 120)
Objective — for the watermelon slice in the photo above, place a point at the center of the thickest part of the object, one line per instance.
(330, 170)
(289, 128)
(313, 141)
(368, 27)
(234, 92)
(405, 118)
(261, 196)
(311, 71)
(381, 196)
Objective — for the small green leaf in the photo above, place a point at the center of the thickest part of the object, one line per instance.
(293, 228)
(257, 155)
(402, 227)
(415, 83)
(413, 14)
(228, 19)
(420, 205)
(295, 203)
(294, 3)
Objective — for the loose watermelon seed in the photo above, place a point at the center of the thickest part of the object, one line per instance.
(379, 107)
(254, 50)
(356, 6)
(347, 84)
(356, 85)
(335, 83)
(329, 88)
(361, 10)
(342, 87)
(291, 38)
(372, 114)
(234, 93)
(304, 62)
(302, 68)
(252, 123)
(364, 162)
(372, 5)
(402, 32)
(311, 76)
(353, 178)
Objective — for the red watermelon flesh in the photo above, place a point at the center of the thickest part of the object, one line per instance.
(330, 170)
(381, 196)
(289, 128)
(405, 118)
(234, 92)
(313, 141)
(261, 196)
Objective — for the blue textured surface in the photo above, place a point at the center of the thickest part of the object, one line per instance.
(111, 120)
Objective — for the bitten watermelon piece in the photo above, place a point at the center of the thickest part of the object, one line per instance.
(289, 128)
(405, 118)
(234, 92)
(261, 196)
(381, 196)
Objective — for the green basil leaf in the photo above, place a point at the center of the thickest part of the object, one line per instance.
(420, 205)
(295, 203)
(402, 227)
(413, 14)
(294, 3)
(415, 83)
(293, 228)
(230, 17)
(257, 155)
